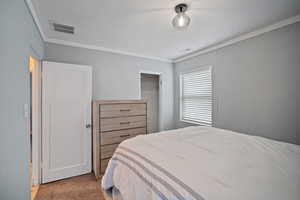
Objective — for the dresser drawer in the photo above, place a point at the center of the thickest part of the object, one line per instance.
(108, 150)
(103, 165)
(113, 137)
(120, 110)
(120, 123)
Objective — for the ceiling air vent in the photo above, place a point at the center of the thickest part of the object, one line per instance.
(63, 28)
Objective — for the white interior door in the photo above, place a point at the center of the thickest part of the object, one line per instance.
(66, 115)
(150, 92)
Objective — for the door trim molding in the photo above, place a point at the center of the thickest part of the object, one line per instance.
(36, 99)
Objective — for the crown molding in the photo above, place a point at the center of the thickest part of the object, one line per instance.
(35, 18)
(98, 48)
(80, 45)
(240, 38)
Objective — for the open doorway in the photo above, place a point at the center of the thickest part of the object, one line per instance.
(150, 84)
(35, 124)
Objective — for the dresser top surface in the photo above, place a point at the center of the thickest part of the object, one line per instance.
(119, 101)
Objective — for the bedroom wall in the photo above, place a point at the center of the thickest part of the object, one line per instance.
(19, 39)
(256, 85)
(117, 77)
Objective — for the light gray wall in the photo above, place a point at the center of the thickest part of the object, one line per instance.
(117, 77)
(256, 85)
(19, 39)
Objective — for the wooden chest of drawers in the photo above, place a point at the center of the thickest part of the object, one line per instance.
(114, 122)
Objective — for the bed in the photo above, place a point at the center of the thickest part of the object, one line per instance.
(203, 163)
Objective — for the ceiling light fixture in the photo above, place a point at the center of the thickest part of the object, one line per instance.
(181, 20)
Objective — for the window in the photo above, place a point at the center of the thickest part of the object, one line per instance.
(196, 96)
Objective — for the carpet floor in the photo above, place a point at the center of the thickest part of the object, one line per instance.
(84, 187)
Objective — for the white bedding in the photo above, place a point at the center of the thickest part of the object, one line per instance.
(204, 163)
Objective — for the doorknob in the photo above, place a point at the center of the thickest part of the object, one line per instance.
(88, 126)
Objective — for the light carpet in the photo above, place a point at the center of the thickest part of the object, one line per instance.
(84, 187)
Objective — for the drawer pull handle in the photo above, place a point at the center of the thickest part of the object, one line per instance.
(124, 110)
(122, 123)
(122, 136)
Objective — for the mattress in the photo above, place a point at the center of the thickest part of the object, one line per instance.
(203, 163)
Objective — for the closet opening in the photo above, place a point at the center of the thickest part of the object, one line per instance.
(150, 85)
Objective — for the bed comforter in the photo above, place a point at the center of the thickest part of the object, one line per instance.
(204, 163)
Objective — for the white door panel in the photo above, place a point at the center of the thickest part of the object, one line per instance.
(66, 112)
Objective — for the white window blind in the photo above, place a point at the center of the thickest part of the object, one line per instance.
(196, 96)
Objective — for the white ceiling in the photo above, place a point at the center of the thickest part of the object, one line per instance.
(144, 27)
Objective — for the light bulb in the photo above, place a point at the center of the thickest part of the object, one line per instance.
(181, 21)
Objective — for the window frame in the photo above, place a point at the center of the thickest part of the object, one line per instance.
(181, 95)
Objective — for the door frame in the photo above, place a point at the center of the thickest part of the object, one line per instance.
(160, 93)
(36, 113)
